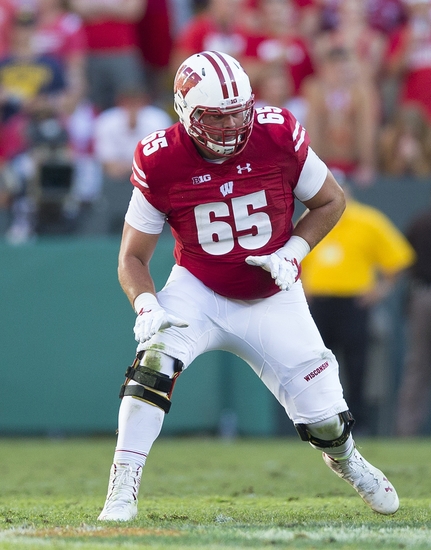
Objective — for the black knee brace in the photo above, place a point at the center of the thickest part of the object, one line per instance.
(306, 435)
(150, 380)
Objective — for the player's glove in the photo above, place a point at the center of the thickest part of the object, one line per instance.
(152, 317)
(283, 264)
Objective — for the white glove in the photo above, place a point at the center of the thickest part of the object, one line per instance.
(152, 317)
(283, 264)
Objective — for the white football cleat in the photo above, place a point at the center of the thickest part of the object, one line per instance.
(122, 499)
(368, 481)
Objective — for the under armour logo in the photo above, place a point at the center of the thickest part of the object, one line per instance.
(388, 489)
(242, 168)
(226, 188)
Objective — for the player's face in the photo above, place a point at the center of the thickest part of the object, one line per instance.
(221, 133)
(225, 121)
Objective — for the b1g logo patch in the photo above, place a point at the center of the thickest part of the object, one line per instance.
(185, 80)
(201, 179)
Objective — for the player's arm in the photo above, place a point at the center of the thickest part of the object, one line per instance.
(325, 202)
(324, 210)
(135, 254)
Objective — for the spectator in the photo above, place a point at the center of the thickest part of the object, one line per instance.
(217, 27)
(416, 380)
(409, 57)
(180, 12)
(277, 41)
(7, 14)
(386, 16)
(113, 58)
(117, 130)
(275, 87)
(351, 270)
(342, 116)
(306, 15)
(155, 43)
(405, 144)
(353, 32)
(60, 33)
(31, 98)
(383, 15)
(308, 18)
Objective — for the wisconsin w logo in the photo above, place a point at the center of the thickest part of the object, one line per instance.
(185, 80)
(226, 188)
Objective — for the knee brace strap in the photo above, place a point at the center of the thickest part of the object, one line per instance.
(152, 397)
(306, 435)
(153, 380)
(149, 377)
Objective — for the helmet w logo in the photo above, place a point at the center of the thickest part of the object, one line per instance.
(185, 80)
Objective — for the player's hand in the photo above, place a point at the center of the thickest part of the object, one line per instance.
(284, 271)
(152, 318)
(283, 264)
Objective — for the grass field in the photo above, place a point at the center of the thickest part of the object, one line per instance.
(208, 494)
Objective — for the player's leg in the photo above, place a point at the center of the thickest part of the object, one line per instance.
(286, 350)
(145, 401)
(150, 380)
(332, 436)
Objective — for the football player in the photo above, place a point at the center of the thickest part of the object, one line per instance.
(225, 178)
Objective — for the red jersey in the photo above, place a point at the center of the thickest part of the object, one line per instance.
(107, 36)
(222, 213)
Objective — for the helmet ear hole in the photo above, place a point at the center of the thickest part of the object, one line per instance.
(212, 82)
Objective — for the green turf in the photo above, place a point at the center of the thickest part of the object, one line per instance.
(203, 493)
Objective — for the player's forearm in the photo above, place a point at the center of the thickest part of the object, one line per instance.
(134, 258)
(134, 278)
(323, 212)
(317, 223)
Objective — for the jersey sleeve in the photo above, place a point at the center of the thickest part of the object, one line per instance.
(312, 177)
(150, 167)
(299, 140)
(138, 177)
(141, 215)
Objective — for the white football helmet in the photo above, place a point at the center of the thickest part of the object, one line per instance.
(214, 83)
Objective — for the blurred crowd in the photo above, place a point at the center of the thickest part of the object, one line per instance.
(82, 81)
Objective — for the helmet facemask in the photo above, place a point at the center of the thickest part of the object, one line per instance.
(222, 141)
